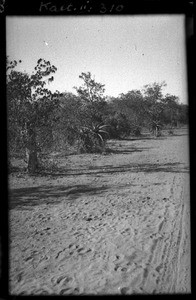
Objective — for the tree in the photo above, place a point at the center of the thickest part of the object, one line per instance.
(93, 104)
(171, 111)
(30, 104)
(90, 91)
(153, 105)
(69, 120)
(131, 105)
(183, 115)
(91, 94)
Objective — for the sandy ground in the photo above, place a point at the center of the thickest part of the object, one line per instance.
(104, 224)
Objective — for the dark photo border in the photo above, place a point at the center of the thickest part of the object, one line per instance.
(91, 7)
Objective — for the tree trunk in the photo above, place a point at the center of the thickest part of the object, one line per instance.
(9, 165)
(31, 150)
(33, 162)
(156, 131)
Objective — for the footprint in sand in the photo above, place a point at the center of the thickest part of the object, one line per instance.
(121, 264)
(68, 291)
(61, 280)
(78, 250)
(65, 284)
(125, 290)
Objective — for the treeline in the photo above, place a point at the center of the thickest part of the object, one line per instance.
(41, 121)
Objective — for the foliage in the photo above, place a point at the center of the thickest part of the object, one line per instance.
(29, 106)
(154, 105)
(183, 114)
(90, 91)
(40, 121)
(171, 132)
(131, 104)
(91, 95)
(90, 128)
(68, 121)
(171, 111)
(118, 125)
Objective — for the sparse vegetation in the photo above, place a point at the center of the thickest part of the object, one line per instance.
(40, 121)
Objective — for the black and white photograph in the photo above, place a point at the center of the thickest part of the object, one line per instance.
(98, 155)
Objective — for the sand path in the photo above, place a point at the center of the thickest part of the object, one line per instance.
(113, 224)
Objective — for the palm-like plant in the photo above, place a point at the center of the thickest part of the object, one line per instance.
(156, 127)
(98, 131)
(93, 137)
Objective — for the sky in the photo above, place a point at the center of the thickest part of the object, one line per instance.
(122, 52)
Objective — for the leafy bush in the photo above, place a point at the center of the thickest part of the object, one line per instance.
(119, 126)
(170, 132)
(47, 165)
(136, 131)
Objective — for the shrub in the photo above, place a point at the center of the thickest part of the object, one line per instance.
(119, 126)
(136, 130)
(171, 132)
(92, 139)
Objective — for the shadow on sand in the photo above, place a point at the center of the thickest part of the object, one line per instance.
(111, 169)
(33, 196)
(125, 149)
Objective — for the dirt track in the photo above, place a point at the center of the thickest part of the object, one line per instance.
(112, 224)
